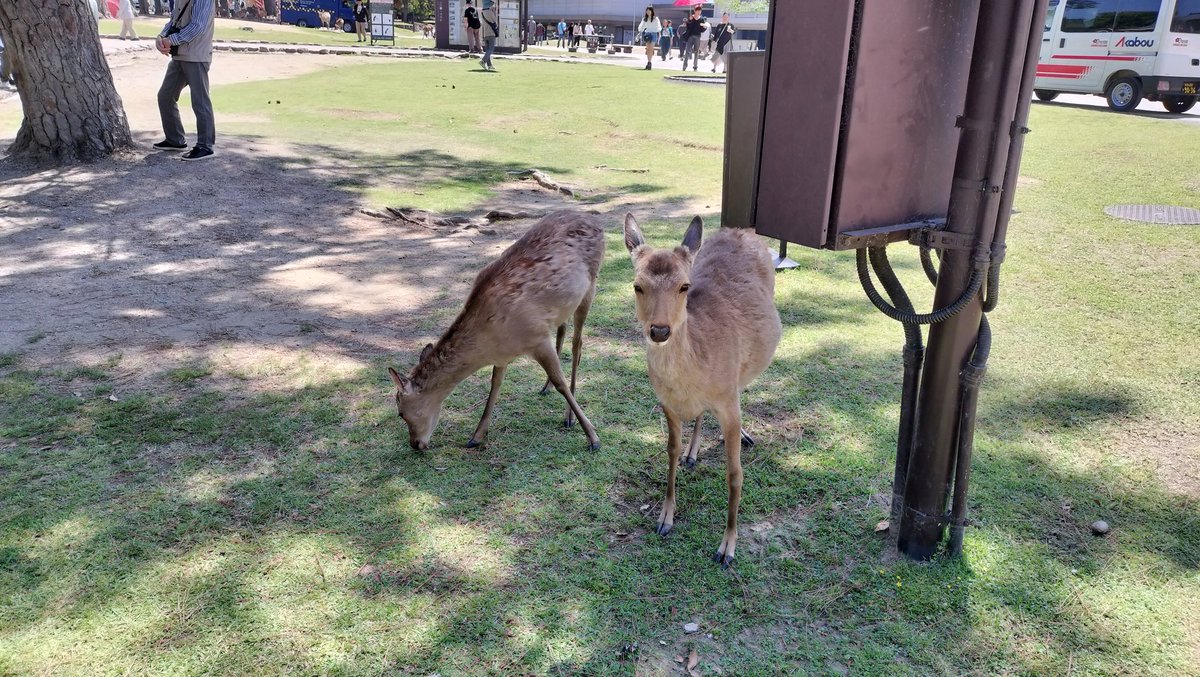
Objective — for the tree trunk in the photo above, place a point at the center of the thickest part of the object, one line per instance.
(72, 111)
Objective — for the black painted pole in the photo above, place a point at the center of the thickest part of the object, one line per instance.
(997, 65)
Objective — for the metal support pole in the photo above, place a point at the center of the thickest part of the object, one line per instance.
(994, 80)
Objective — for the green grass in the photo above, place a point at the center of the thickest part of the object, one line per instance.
(440, 142)
(227, 29)
(191, 530)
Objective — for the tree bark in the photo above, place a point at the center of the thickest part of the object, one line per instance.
(72, 111)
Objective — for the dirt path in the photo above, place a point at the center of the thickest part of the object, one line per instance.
(260, 257)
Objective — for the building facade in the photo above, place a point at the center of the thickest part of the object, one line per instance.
(620, 17)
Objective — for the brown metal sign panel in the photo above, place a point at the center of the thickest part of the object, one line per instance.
(743, 112)
(860, 138)
(802, 111)
(899, 143)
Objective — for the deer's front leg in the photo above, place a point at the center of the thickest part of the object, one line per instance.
(479, 438)
(666, 519)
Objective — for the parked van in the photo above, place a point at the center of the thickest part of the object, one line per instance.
(1124, 50)
(303, 13)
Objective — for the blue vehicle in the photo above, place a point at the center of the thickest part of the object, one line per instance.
(303, 13)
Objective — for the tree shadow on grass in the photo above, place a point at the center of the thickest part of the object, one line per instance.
(238, 521)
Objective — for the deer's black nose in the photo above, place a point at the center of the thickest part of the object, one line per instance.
(659, 334)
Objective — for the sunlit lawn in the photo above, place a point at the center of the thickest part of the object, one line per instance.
(190, 531)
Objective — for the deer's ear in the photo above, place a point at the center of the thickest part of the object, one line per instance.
(694, 235)
(402, 384)
(426, 351)
(633, 234)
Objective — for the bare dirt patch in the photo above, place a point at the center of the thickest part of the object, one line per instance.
(1171, 451)
(258, 256)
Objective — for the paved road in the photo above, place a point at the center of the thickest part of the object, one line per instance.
(1146, 108)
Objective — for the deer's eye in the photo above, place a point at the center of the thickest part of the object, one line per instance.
(637, 288)
(683, 289)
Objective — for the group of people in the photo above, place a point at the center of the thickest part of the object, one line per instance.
(693, 37)
(483, 27)
(569, 34)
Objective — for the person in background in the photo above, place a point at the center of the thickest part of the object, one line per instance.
(530, 32)
(187, 39)
(665, 39)
(6, 72)
(696, 25)
(561, 31)
(125, 14)
(681, 37)
(362, 18)
(471, 21)
(722, 35)
(540, 34)
(491, 31)
(648, 30)
(576, 31)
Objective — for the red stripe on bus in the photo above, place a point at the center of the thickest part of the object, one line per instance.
(1096, 58)
(1063, 69)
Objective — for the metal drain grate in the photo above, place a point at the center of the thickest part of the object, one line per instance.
(1163, 214)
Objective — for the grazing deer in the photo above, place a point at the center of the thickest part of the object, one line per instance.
(516, 302)
(709, 317)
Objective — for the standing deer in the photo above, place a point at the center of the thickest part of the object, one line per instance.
(517, 301)
(711, 326)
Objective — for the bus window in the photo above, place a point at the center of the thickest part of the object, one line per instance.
(1187, 17)
(1137, 16)
(1050, 15)
(1089, 16)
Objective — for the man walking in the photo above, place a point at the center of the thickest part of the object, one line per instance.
(562, 33)
(491, 31)
(187, 39)
(471, 19)
(696, 25)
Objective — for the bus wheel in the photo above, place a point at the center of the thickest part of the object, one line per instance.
(302, 23)
(1123, 94)
(1178, 104)
(1045, 94)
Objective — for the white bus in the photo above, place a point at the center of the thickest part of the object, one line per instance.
(1124, 50)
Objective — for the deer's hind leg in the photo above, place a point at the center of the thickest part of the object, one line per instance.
(558, 341)
(694, 444)
(545, 356)
(730, 416)
(581, 314)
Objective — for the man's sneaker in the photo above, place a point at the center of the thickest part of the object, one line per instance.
(197, 153)
(167, 145)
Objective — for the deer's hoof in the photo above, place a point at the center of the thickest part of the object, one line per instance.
(747, 441)
(594, 446)
(721, 558)
(662, 529)
(569, 422)
(545, 389)
(689, 463)
(474, 444)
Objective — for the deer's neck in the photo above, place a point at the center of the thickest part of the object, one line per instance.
(455, 357)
